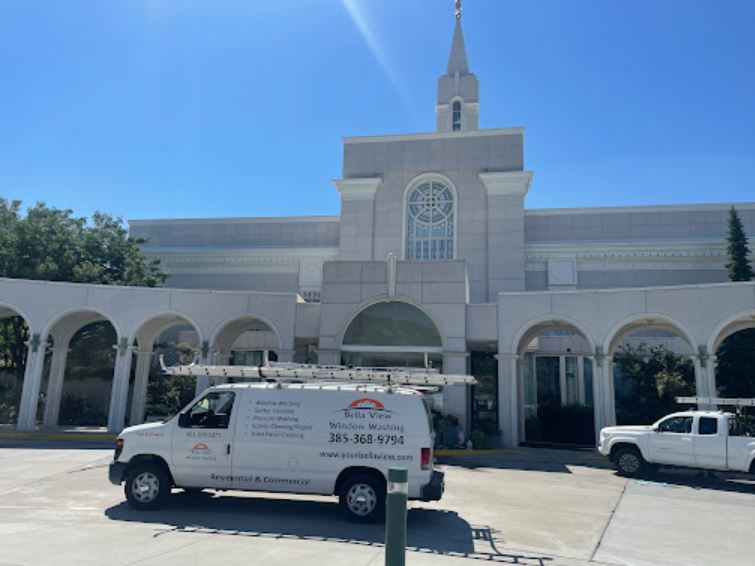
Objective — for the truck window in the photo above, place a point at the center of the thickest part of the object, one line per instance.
(677, 425)
(708, 425)
(212, 411)
(742, 425)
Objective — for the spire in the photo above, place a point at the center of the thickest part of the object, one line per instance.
(457, 60)
(457, 108)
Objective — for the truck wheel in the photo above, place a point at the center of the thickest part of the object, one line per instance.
(362, 498)
(629, 462)
(147, 486)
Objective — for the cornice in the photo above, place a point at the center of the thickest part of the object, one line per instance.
(642, 208)
(649, 255)
(362, 188)
(267, 260)
(435, 135)
(236, 220)
(506, 182)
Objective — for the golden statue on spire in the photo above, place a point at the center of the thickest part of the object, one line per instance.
(458, 9)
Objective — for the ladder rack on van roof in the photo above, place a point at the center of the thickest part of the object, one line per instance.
(305, 372)
(716, 401)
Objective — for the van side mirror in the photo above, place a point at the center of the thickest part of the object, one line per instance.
(184, 420)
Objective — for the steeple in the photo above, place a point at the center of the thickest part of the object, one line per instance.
(457, 60)
(458, 106)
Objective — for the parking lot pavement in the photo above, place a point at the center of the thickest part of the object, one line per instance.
(524, 506)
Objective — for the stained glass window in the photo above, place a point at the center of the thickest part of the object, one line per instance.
(430, 222)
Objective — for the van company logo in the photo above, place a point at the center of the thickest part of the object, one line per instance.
(366, 403)
(366, 408)
(201, 448)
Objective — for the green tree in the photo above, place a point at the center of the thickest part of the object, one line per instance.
(647, 382)
(737, 250)
(54, 245)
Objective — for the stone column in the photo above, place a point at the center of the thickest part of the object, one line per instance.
(35, 361)
(710, 374)
(357, 217)
(505, 229)
(55, 385)
(141, 384)
(119, 394)
(598, 387)
(508, 391)
(456, 398)
(609, 392)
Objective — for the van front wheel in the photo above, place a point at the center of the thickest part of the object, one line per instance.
(147, 486)
(362, 497)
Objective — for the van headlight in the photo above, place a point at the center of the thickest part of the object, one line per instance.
(118, 448)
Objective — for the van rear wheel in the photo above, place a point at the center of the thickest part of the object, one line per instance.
(147, 486)
(362, 497)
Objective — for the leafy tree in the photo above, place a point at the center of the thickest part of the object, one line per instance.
(52, 244)
(167, 394)
(648, 381)
(737, 250)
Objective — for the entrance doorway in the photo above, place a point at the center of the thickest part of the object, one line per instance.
(558, 399)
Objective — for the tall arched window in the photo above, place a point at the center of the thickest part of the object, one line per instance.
(456, 124)
(430, 222)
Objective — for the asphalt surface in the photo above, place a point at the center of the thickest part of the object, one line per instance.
(525, 506)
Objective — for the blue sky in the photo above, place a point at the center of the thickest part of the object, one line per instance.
(153, 109)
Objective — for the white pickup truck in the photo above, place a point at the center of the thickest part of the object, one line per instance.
(711, 440)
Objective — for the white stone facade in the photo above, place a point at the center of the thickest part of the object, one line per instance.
(513, 272)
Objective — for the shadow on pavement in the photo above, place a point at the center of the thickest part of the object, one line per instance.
(430, 531)
(697, 479)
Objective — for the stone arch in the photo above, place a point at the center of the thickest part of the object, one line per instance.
(556, 381)
(97, 313)
(404, 334)
(729, 325)
(396, 299)
(96, 397)
(632, 376)
(144, 337)
(537, 325)
(156, 323)
(645, 320)
(12, 382)
(731, 350)
(232, 328)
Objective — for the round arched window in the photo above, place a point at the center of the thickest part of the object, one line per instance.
(430, 222)
(392, 324)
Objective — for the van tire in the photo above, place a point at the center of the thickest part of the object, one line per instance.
(147, 485)
(629, 462)
(362, 498)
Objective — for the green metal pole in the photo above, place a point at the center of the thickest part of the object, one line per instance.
(395, 517)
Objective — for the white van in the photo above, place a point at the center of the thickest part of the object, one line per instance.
(326, 439)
